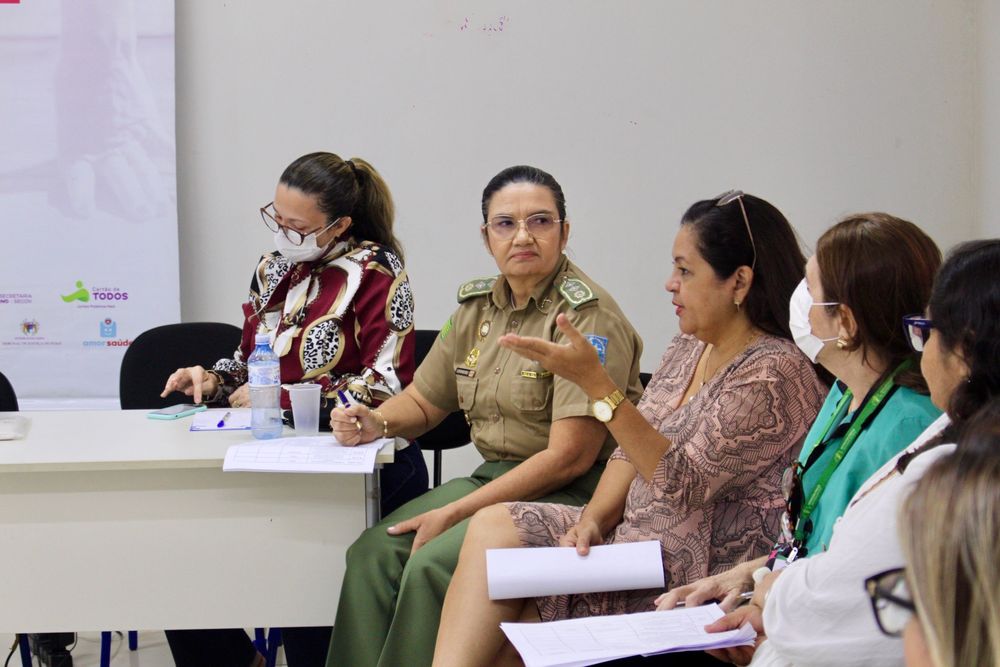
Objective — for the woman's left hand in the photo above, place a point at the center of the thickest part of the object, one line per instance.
(241, 397)
(739, 655)
(576, 360)
(427, 526)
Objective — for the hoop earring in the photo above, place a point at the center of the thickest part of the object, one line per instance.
(842, 344)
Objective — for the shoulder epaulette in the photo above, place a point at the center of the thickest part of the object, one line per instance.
(476, 287)
(576, 292)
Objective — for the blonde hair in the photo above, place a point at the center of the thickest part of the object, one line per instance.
(950, 534)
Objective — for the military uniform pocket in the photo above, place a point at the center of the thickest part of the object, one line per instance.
(466, 390)
(530, 394)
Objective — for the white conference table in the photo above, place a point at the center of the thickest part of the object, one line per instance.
(112, 521)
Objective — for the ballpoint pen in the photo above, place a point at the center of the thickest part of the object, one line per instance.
(347, 403)
(743, 597)
(222, 422)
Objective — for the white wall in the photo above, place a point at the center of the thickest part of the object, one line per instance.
(638, 108)
(988, 144)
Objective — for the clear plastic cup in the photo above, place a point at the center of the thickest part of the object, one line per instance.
(305, 408)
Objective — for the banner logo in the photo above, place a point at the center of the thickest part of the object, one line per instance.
(29, 327)
(109, 328)
(81, 294)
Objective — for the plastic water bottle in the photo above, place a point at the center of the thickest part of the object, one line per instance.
(265, 390)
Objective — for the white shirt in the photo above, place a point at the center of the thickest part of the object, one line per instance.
(818, 612)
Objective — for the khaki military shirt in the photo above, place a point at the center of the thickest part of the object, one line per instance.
(509, 401)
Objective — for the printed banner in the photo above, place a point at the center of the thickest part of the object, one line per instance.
(87, 192)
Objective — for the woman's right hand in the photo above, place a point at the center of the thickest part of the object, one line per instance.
(725, 587)
(583, 535)
(193, 381)
(354, 425)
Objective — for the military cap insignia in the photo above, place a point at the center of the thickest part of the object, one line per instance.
(576, 292)
(476, 287)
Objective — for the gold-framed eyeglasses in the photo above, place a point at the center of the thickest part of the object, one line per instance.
(504, 227)
(729, 197)
(891, 601)
(269, 216)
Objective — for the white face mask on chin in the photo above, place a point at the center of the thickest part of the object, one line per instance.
(306, 251)
(798, 321)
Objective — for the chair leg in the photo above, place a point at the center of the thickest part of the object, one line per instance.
(437, 467)
(133, 640)
(105, 649)
(22, 640)
(273, 642)
(260, 640)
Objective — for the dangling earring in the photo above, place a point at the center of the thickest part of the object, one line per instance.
(842, 344)
(736, 302)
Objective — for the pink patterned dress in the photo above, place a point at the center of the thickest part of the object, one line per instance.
(715, 497)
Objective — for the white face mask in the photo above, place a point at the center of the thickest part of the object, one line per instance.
(306, 251)
(798, 321)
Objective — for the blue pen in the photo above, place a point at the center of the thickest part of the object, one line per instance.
(222, 422)
(347, 403)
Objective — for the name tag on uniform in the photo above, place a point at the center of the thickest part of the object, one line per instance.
(536, 375)
(466, 372)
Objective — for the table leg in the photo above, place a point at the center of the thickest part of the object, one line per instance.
(22, 640)
(373, 496)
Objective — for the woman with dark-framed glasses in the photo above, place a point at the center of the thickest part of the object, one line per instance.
(335, 300)
(815, 612)
(699, 460)
(948, 530)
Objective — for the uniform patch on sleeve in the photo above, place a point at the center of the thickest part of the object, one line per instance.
(446, 329)
(600, 344)
(576, 292)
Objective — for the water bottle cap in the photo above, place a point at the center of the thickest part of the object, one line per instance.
(262, 339)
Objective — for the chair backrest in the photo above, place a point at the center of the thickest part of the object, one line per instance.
(157, 353)
(454, 430)
(644, 378)
(8, 399)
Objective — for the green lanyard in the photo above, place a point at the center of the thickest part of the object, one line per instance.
(859, 422)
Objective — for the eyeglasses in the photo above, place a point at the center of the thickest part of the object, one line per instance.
(892, 603)
(538, 225)
(267, 214)
(791, 487)
(918, 330)
(729, 197)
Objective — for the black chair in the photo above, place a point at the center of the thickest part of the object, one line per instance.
(8, 399)
(644, 378)
(160, 351)
(454, 430)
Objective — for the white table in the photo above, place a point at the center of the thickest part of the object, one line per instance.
(110, 520)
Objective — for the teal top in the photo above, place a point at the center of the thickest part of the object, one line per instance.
(901, 419)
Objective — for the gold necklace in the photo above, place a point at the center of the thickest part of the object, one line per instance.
(708, 359)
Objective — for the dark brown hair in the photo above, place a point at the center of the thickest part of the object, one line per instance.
(347, 187)
(882, 268)
(723, 241)
(965, 311)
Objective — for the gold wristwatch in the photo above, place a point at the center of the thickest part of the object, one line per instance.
(604, 408)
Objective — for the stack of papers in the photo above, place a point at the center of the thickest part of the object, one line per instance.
(589, 641)
(317, 454)
(13, 427)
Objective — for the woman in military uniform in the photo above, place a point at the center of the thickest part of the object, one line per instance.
(535, 431)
